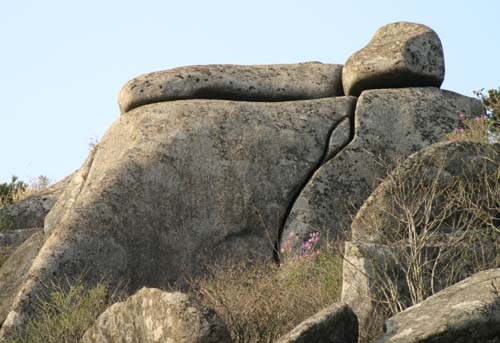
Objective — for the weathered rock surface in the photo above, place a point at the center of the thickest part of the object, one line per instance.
(175, 186)
(399, 55)
(14, 271)
(360, 285)
(277, 82)
(467, 312)
(389, 124)
(155, 316)
(31, 212)
(334, 324)
(14, 238)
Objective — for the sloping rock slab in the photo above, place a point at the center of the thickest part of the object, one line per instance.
(175, 186)
(399, 55)
(389, 124)
(275, 82)
(467, 312)
(31, 211)
(334, 324)
(14, 271)
(155, 316)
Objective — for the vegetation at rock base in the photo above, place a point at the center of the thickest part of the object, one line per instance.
(260, 302)
(491, 104)
(446, 229)
(66, 314)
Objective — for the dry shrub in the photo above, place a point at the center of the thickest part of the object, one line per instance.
(66, 312)
(261, 301)
(473, 130)
(444, 228)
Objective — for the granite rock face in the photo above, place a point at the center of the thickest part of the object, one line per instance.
(155, 316)
(278, 82)
(399, 55)
(389, 124)
(334, 324)
(176, 186)
(467, 312)
(14, 271)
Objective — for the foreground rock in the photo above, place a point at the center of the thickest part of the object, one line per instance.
(31, 212)
(467, 312)
(14, 271)
(389, 124)
(176, 186)
(399, 55)
(155, 316)
(277, 82)
(334, 324)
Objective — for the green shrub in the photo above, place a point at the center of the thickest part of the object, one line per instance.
(491, 104)
(260, 302)
(10, 191)
(65, 315)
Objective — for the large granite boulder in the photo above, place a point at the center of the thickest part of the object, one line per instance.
(14, 271)
(467, 312)
(401, 54)
(390, 124)
(31, 212)
(277, 82)
(175, 186)
(154, 316)
(334, 324)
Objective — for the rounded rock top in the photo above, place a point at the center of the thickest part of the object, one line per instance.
(400, 54)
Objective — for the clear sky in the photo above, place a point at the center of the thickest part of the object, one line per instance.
(62, 63)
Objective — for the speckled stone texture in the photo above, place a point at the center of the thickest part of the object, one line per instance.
(389, 124)
(274, 82)
(467, 312)
(399, 55)
(154, 316)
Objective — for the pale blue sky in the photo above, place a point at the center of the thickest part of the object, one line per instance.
(63, 62)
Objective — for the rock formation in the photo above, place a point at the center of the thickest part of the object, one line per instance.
(213, 164)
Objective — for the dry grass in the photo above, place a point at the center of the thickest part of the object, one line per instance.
(260, 302)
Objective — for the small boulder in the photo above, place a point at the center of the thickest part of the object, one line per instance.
(276, 82)
(467, 312)
(334, 324)
(399, 55)
(154, 316)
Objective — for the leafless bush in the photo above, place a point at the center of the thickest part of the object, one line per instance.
(260, 302)
(443, 228)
